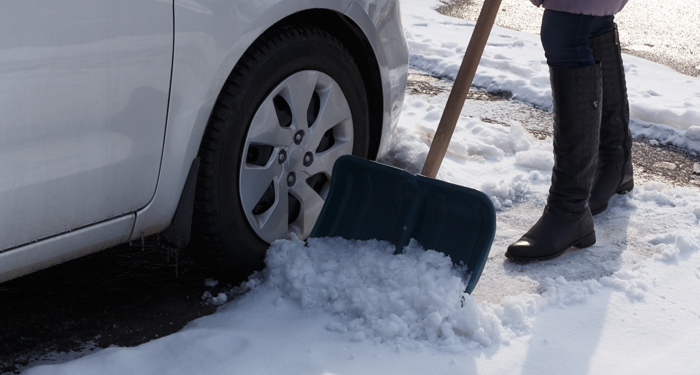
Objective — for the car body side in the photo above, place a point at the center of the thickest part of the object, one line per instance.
(209, 39)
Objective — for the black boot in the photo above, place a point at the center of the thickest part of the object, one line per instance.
(614, 173)
(567, 219)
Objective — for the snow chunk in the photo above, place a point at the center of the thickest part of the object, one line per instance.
(670, 246)
(655, 186)
(505, 193)
(629, 282)
(693, 133)
(561, 292)
(219, 300)
(535, 159)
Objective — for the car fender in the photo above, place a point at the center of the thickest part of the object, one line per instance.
(390, 48)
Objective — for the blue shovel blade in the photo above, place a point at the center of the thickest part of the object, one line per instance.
(368, 200)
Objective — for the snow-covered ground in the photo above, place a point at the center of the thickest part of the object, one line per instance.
(628, 304)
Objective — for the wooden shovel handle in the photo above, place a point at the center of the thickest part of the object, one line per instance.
(460, 88)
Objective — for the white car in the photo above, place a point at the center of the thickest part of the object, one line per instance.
(223, 119)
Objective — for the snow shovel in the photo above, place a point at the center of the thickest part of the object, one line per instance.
(368, 200)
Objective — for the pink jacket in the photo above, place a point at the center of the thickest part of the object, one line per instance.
(589, 7)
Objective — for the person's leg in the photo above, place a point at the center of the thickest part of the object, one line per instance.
(614, 173)
(565, 39)
(577, 102)
(602, 25)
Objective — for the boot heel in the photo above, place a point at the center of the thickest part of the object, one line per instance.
(586, 241)
(624, 189)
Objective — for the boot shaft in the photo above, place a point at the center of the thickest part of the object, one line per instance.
(615, 172)
(614, 131)
(577, 96)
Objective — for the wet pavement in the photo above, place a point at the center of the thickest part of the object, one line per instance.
(125, 296)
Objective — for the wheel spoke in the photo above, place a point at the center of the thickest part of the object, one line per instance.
(255, 181)
(323, 161)
(334, 110)
(265, 128)
(274, 223)
(311, 205)
(300, 89)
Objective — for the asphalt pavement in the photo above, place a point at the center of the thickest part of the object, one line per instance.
(665, 32)
(125, 296)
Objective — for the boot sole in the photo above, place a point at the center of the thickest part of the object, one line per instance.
(624, 189)
(583, 242)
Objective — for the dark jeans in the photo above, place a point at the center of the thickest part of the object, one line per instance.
(565, 37)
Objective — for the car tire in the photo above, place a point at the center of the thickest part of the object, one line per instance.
(293, 104)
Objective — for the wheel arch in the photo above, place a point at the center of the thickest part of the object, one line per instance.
(354, 39)
(358, 43)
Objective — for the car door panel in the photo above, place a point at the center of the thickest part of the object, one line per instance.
(84, 90)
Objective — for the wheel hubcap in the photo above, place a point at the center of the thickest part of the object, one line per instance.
(301, 128)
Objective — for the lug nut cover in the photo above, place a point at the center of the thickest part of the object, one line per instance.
(299, 136)
(308, 159)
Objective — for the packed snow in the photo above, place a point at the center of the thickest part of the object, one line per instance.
(628, 304)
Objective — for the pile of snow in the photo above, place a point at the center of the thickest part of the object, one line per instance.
(413, 297)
